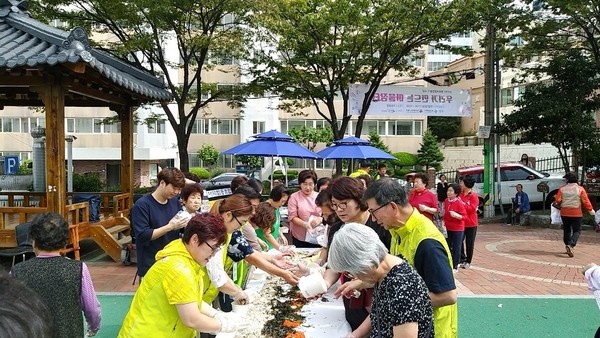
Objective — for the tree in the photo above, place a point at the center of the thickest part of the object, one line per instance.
(144, 31)
(208, 154)
(430, 155)
(310, 137)
(251, 161)
(310, 52)
(560, 111)
(377, 142)
(443, 127)
(553, 27)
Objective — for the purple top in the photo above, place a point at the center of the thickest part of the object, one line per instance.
(89, 301)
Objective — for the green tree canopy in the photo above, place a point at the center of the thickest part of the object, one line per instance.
(377, 142)
(430, 155)
(208, 154)
(310, 137)
(204, 33)
(444, 127)
(559, 111)
(310, 52)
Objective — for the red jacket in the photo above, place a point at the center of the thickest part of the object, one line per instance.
(471, 201)
(453, 224)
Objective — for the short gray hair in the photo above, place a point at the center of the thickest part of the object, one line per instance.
(355, 249)
(387, 190)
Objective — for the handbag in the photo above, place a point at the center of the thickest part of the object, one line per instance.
(556, 205)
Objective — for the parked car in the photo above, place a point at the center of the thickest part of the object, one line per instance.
(511, 174)
(220, 181)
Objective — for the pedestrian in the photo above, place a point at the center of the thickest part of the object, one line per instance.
(323, 183)
(442, 189)
(23, 313)
(471, 202)
(520, 206)
(274, 237)
(421, 198)
(65, 285)
(591, 272)
(154, 218)
(525, 161)
(169, 299)
(303, 213)
(381, 172)
(454, 219)
(364, 168)
(416, 238)
(570, 197)
(401, 305)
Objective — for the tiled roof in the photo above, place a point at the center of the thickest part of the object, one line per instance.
(27, 42)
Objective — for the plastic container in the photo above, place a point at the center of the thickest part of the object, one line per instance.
(312, 285)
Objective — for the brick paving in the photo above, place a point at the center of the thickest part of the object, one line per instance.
(507, 261)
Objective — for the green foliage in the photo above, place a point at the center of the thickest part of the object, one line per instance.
(251, 162)
(200, 172)
(142, 190)
(322, 47)
(444, 127)
(310, 137)
(401, 173)
(560, 111)
(288, 161)
(25, 168)
(377, 142)
(140, 28)
(216, 172)
(404, 159)
(208, 154)
(291, 174)
(430, 154)
(88, 182)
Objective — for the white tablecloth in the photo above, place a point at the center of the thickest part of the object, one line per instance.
(323, 319)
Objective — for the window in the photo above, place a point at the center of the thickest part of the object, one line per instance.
(25, 125)
(258, 127)
(506, 97)
(223, 126)
(98, 127)
(157, 127)
(296, 124)
(515, 174)
(431, 66)
(368, 126)
(11, 125)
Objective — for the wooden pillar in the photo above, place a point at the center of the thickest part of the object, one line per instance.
(54, 101)
(126, 116)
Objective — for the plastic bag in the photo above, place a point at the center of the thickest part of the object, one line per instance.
(438, 220)
(555, 215)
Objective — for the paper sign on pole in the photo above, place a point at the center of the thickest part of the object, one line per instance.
(413, 101)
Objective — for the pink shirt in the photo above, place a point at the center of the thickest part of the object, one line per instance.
(302, 206)
(425, 197)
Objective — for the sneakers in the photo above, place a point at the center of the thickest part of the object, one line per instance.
(570, 250)
(466, 265)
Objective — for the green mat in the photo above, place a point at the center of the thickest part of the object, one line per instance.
(477, 317)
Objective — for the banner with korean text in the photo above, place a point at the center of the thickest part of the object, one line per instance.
(414, 101)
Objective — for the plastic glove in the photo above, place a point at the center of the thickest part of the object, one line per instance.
(231, 322)
(350, 335)
(178, 222)
(301, 269)
(240, 297)
(287, 249)
(281, 262)
(90, 333)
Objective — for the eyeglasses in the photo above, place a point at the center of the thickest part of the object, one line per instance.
(214, 250)
(372, 212)
(240, 223)
(339, 206)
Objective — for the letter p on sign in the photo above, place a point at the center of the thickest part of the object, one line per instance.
(11, 165)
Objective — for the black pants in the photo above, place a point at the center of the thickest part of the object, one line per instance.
(511, 214)
(571, 230)
(454, 240)
(301, 244)
(468, 245)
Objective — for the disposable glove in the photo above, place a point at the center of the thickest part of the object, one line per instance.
(231, 322)
(240, 297)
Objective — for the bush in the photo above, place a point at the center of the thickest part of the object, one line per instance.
(216, 172)
(291, 174)
(404, 159)
(400, 173)
(88, 182)
(200, 172)
(25, 168)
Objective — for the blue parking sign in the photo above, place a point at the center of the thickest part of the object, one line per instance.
(11, 165)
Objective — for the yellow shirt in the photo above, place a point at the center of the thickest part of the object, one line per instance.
(405, 241)
(174, 279)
